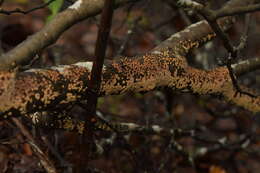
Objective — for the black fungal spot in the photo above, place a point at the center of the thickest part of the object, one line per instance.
(172, 68)
(180, 71)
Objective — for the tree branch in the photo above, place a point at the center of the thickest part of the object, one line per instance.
(237, 10)
(58, 87)
(26, 50)
(65, 85)
(246, 66)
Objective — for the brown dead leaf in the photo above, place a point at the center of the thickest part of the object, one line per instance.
(216, 169)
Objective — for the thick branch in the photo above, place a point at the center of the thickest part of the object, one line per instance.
(246, 66)
(68, 84)
(193, 36)
(238, 10)
(63, 85)
(80, 10)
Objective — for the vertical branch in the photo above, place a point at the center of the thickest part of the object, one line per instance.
(100, 50)
(94, 84)
(101, 44)
(96, 72)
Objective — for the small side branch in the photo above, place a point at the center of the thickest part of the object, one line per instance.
(211, 17)
(45, 161)
(18, 10)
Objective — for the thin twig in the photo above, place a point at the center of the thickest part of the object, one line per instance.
(211, 17)
(45, 161)
(18, 10)
(130, 32)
